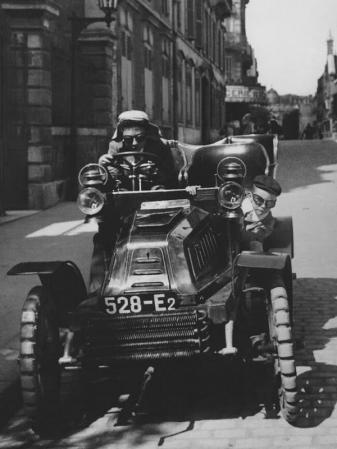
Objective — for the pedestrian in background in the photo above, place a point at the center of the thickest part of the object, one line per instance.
(247, 124)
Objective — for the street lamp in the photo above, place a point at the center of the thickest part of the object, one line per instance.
(78, 24)
(108, 7)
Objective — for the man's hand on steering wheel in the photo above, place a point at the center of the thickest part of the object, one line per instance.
(131, 162)
(107, 160)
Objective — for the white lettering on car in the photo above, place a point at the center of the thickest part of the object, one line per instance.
(171, 303)
(110, 304)
(159, 302)
(134, 304)
(124, 304)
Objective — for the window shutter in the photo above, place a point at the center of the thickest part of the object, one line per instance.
(198, 24)
(129, 47)
(190, 20)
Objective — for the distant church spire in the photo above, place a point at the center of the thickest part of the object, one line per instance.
(330, 44)
(331, 57)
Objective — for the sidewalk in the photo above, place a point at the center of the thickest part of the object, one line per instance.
(58, 233)
(13, 215)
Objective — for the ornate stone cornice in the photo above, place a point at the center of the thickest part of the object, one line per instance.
(39, 5)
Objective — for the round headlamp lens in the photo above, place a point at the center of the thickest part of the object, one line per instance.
(230, 195)
(92, 175)
(90, 201)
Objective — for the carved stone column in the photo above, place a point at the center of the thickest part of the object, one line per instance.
(30, 142)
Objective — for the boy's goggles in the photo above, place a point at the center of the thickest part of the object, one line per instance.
(259, 201)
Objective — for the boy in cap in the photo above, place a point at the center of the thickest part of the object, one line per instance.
(258, 225)
(258, 220)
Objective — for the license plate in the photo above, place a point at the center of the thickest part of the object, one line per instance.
(133, 304)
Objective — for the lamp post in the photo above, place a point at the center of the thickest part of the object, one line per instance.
(78, 24)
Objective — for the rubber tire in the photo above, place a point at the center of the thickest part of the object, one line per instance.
(285, 368)
(39, 353)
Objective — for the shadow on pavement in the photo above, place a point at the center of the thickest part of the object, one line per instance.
(184, 394)
(311, 156)
(10, 402)
(179, 396)
(315, 306)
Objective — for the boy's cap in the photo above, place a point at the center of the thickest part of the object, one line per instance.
(267, 183)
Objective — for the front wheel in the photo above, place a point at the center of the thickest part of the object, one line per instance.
(39, 354)
(285, 369)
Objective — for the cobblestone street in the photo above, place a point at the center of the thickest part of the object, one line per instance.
(209, 412)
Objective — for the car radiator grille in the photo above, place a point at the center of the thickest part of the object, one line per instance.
(146, 337)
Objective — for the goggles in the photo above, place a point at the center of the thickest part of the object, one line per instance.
(128, 140)
(259, 201)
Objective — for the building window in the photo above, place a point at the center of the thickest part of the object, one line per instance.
(127, 83)
(180, 89)
(148, 73)
(205, 31)
(165, 80)
(190, 20)
(178, 20)
(222, 55)
(214, 42)
(209, 37)
(212, 112)
(219, 49)
(164, 7)
(197, 101)
(219, 117)
(189, 102)
(198, 24)
(228, 68)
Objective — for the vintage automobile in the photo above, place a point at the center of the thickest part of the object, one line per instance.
(177, 272)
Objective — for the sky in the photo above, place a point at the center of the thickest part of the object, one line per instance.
(289, 39)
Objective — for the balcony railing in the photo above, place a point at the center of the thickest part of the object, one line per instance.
(237, 41)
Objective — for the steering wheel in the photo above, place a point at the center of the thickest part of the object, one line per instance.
(140, 158)
(144, 165)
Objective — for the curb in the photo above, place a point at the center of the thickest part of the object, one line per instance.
(10, 402)
(14, 215)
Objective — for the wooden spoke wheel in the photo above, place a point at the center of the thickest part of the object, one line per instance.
(284, 367)
(39, 354)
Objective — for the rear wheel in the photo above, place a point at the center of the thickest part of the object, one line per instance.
(39, 354)
(284, 367)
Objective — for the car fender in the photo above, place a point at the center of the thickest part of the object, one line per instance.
(269, 261)
(281, 239)
(266, 260)
(62, 280)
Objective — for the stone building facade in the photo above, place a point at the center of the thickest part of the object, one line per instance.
(170, 63)
(56, 90)
(64, 79)
(326, 93)
(241, 76)
(292, 112)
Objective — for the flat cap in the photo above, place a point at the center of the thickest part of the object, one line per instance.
(133, 116)
(267, 183)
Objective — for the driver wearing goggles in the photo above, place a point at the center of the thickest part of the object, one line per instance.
(135, 132)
